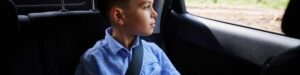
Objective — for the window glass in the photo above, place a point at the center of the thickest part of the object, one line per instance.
(259, 14)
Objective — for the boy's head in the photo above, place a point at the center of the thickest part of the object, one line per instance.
(136, 17)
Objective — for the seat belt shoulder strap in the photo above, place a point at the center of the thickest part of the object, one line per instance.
(134, 67)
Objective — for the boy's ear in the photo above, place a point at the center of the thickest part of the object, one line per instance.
(117, 16)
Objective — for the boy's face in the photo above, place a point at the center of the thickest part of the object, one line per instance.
(139, 17)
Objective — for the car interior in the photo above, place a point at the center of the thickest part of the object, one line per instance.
(49, 40)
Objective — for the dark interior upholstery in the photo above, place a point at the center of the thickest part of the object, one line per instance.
(51, 43)
(8, 32)
(26, 56)
(287, 63)
(9, 18)
(64, 36)
(8, 27)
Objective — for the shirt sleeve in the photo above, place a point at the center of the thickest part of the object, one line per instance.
(85, 67)
(166, 65)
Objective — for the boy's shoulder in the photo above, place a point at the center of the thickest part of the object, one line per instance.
(152, 46)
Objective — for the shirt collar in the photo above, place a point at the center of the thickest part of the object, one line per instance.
(114, 45)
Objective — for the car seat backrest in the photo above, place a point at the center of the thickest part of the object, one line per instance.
(26, 59)
(64, 36)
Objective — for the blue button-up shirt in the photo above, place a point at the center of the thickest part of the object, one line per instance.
(109, 57)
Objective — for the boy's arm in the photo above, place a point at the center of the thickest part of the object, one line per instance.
(85, 67)
(165, 63)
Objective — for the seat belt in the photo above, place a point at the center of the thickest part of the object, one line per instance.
(134, 67)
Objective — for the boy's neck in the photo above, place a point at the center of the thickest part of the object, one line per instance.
(123, 37)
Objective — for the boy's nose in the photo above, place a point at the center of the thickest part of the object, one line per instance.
(153, 13)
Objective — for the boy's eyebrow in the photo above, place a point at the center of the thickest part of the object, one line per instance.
(145, 1)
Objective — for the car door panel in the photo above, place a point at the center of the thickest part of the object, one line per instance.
(202, 46)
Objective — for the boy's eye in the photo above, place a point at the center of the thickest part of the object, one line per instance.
(147, 6)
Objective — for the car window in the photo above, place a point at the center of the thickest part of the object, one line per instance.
(260, 14)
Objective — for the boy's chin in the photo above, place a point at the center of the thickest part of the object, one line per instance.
(146, 33)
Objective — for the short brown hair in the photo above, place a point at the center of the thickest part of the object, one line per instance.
(105, 6)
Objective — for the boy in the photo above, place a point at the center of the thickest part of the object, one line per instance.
(112, 55)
